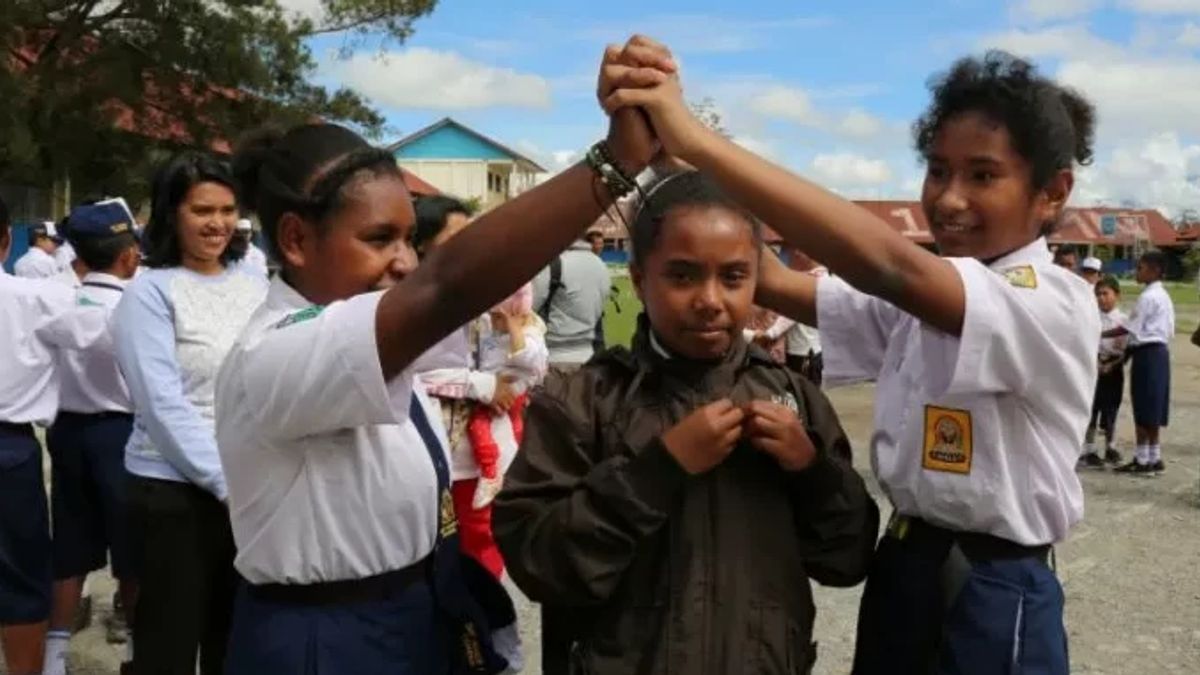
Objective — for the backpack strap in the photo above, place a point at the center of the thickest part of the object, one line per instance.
(555, 284)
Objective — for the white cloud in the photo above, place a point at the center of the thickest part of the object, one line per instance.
(1049, 10)
(1160, 171)
(1135, 97)
(309, 9)
(1073, 40)
(1189, 36)
(849, 171)
(431, 79)
(787, 103)
(1162, 6)
(860, 124)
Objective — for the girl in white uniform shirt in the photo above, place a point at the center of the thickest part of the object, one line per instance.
(336, 463)
(984, 362)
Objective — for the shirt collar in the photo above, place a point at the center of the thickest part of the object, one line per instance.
(1035, 252)
(282, 295)
(102, 278)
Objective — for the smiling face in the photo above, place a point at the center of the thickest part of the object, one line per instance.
(205, 220)
(978, 194)
(364, 245)
(697, 284)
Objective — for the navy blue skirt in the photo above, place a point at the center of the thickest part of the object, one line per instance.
(1150, 385)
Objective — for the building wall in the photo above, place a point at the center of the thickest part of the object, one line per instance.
(465, 179)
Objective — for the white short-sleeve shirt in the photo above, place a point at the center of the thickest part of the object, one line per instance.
(1153, 317)
(981, 432)
(328, 479)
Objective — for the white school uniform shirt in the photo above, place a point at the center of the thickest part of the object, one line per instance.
(1113, 347)
(328, 478)
(977, 433)
(64, 255)
(39, 317)
(36, 264)
(91, 379)
(1153, 317)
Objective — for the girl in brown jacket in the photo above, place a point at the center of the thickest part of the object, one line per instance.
(671, 502)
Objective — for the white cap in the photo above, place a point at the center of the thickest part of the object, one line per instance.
(1093, 264)
(243, 225)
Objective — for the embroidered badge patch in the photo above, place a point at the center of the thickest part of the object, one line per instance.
(947, 440)
(449, 522)
(299, 317)
(1022, 276)
(787, 401)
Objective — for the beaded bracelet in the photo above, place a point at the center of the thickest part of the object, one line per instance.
(600, 159)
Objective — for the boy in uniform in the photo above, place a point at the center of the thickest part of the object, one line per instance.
(37, 317)
(1150, 329)
(87, 440)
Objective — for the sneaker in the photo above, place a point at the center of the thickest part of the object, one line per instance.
(1156, 469)
(1091, 460)
(1112, 456)
(1132, 467)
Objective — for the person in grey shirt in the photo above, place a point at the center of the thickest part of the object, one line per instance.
(571, 301)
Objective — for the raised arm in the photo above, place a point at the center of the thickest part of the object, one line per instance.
(850, 241)
(508, 245)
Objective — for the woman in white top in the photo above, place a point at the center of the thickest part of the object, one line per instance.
(337, 468)
(172, 328)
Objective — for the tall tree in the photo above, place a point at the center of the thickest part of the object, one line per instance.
(96, 90)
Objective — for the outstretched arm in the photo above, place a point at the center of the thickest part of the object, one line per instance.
(508, 245)
(850, 241)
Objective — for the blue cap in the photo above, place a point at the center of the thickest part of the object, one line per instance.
(107, 218)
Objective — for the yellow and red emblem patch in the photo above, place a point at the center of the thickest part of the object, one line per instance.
(948, 443)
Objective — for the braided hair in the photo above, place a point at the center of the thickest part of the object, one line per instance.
(688, 189)
(303, 171)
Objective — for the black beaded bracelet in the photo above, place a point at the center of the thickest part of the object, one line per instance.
(600, 159)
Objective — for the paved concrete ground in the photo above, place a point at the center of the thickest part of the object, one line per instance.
(1130, 569)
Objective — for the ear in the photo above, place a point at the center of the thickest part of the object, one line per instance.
(5, 243)
(636, 277)
(293, 239)
(1053, 197)
(129, 261)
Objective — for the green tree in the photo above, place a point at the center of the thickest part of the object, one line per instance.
(77, 76)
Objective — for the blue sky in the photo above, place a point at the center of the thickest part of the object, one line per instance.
(827, 88)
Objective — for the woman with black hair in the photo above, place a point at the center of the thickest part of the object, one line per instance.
(172, 328)
(984, 362)
(336, 460)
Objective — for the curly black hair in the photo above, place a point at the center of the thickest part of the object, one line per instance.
(1050, 125)
(676, 191)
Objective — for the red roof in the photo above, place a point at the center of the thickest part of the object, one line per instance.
(416, 186)
(1079, 225)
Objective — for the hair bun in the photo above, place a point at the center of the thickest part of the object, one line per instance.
(253, 152)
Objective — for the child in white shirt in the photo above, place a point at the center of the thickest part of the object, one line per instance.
(1110, 385)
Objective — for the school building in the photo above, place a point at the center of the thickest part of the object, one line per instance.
(460, 161)
(1116, 236)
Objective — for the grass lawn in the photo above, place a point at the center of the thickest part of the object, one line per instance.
(619, 327)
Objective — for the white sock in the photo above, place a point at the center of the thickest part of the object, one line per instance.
(1142, 454)
(1154, 453)
(57, 642)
